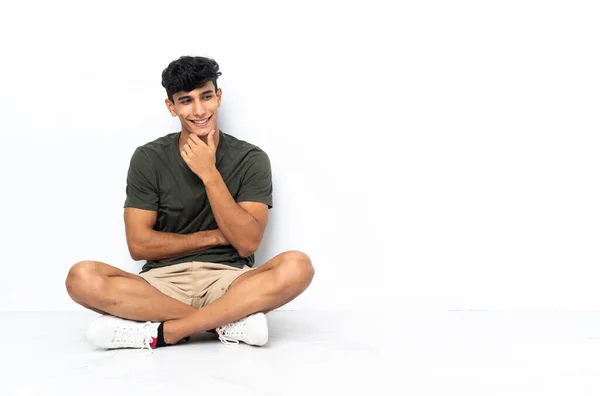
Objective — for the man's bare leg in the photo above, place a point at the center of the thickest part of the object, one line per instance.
(270, 286)
(107, 289)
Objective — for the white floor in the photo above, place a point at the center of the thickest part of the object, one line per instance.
(317, 353)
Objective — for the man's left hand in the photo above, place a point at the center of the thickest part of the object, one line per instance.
(199, 156)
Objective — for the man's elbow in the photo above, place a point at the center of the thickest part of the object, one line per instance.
(135, 252)
(134, 255)
(248, 249)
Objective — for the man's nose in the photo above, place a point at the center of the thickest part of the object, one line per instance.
(198, 108)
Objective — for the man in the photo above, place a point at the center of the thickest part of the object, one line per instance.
(196, 210)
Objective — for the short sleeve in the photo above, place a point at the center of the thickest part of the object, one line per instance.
(142, 189)
(256, 185)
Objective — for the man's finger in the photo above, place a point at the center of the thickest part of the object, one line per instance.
(193, 139)
(211, 139)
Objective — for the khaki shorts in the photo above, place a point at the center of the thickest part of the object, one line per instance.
(195, 283)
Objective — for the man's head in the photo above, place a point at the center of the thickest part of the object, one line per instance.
(192, 93)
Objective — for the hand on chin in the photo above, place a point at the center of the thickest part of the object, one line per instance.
(201, 132)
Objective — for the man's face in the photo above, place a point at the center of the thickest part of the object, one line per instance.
(197, 110)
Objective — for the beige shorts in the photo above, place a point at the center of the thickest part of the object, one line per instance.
(195, 283)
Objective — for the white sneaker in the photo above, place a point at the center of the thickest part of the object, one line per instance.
(110, 332)
(252, 330)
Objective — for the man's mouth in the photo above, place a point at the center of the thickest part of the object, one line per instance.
(201, 123)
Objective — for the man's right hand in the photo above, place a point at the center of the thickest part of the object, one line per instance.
(220, 238)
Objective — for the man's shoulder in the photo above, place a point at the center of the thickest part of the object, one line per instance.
(237, 147)
(159, 145)
(152, 154)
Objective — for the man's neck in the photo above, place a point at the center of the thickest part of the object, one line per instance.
(183, 138)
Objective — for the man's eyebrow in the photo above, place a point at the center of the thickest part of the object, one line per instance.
(189, 96)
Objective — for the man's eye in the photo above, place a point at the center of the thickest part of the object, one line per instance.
(185, 101)
(207, 97)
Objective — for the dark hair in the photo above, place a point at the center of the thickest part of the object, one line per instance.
(188, 73)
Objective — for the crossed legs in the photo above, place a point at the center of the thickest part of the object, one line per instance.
(107, 289)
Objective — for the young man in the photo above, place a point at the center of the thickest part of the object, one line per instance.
(196, 210)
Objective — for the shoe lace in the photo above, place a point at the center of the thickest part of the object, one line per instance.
(135, 336)
(231, 333)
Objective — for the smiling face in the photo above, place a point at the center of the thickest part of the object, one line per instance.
(197, 109)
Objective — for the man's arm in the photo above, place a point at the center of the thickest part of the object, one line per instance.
(144, 243)
(242, 224)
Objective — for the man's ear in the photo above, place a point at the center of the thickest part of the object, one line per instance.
(171, 107)
(219, 94)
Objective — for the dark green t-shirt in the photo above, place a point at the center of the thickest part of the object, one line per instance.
(159, 179)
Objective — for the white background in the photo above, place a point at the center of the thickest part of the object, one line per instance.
(427, 154)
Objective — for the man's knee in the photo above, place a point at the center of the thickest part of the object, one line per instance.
(297, 268)
(82, 280)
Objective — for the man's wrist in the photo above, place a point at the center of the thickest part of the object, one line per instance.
(216, 238)
(220, 238)
(209, 238)
(211, 177)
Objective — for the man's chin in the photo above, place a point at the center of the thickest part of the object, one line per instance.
(201, 132)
